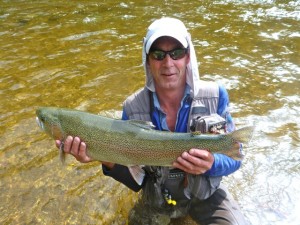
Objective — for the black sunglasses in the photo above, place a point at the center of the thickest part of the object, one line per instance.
(175, 54)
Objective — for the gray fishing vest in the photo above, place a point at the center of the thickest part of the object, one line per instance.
(204, 103)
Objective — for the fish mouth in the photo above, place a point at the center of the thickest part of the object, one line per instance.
(40, 123)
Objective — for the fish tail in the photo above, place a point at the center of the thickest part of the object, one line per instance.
(243, 135)
(239, 137)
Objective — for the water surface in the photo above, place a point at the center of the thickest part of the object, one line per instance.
(87, 55)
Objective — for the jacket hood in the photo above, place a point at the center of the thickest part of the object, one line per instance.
(176, 29)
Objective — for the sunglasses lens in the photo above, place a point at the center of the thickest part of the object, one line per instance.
(174, 54)
(177, 54)
(158, 55)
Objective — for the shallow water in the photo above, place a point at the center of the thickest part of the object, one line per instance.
(87, 55)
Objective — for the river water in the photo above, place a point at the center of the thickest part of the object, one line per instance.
(87, 55)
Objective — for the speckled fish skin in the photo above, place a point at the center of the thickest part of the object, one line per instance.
(130, 142)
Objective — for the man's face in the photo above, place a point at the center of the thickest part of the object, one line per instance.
(168, 74)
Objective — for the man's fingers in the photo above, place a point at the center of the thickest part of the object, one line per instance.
(195, 161)
(75, 146)
(68, 144)
(57, 143)
(82, 153)
(202, 158)
(82, 149)
(190, 160)
(203, 154)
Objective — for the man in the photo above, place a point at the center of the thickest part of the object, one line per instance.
(174, 99)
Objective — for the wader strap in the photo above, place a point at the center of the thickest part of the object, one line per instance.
(151, 103)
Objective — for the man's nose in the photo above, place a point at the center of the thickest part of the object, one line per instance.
(168, 60)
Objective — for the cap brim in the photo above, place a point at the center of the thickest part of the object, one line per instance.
(159, 34)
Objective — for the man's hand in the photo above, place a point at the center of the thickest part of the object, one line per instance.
(75, 147)
(195, 161)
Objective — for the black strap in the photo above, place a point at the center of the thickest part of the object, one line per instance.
(151, 103)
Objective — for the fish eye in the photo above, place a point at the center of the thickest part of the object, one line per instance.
(42, 119)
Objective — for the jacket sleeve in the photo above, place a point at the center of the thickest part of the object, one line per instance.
(224, 165)
(122, 174)
(223, 109)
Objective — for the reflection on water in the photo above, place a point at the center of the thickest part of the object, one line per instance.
(87, 55)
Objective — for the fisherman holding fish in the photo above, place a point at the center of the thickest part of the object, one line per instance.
(174, 99)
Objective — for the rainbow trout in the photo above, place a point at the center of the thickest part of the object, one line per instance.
(133, 142)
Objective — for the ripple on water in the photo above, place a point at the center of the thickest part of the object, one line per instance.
(87, 55)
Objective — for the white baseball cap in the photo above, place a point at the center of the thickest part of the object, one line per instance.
(166, 27)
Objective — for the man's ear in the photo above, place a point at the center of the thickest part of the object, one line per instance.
(188, 58)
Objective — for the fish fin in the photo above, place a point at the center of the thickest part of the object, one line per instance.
(62, 154)
(113, 114)
(243, 135)
(142, 124)
(194, 133)
(137, 173)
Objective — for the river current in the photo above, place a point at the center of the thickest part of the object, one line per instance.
(87, 55)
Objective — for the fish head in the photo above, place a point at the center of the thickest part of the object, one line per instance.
(48, 120)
